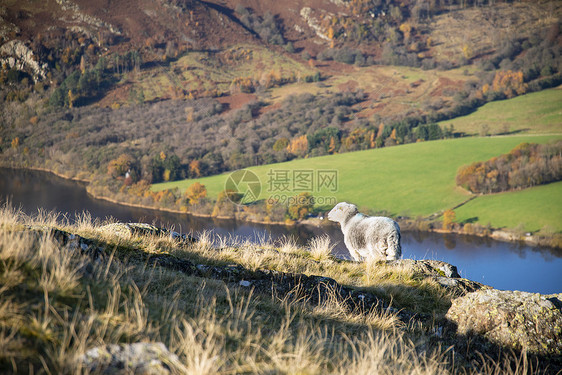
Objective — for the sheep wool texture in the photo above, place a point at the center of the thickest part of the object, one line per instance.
(367, 237)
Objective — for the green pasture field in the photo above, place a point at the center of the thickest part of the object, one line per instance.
(539, 207)
(535, 113)
(410, 180)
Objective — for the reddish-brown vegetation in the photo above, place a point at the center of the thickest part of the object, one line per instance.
(524, 166)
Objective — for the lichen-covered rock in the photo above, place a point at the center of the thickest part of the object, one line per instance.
(443, 273)
(435, 267)
(125, 230)
(137, 358)
(514, 319)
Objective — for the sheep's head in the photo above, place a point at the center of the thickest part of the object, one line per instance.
(341, 211)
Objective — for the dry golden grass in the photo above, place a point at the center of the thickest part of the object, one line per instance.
(321, 248)
(55, 304)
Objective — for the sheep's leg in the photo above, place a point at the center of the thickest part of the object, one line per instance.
(391, 253)
(393, 250)
(377, 250)
(354, 254)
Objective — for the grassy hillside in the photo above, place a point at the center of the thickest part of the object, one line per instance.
(392, 89)
(531, 209)
(538, 112)
(207, 74)
(413, 179)
(67, 289)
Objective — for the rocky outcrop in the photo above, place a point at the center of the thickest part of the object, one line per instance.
(443, 273)
(78, 16)
(15, 54)
(313, 23)
(137, 358)
(436, 267)
(513, 319)
(126, 230)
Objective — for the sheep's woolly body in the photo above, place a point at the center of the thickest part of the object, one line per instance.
(367, 237)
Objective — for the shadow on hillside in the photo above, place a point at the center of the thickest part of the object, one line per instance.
(230, 14)
(513, 132)
(166, 64)
(470, 220)
(476, 351)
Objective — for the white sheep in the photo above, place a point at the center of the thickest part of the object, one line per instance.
(367, 237)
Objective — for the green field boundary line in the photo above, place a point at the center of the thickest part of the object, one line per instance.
(517, 135)
(465, 202)
(440, 213)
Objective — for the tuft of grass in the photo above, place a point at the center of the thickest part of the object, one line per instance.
(381, 353)
(59, 272)
(321, 248)
(289, 245)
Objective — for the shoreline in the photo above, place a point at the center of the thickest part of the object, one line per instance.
(179, 212)
(497, 235)
(81, 180)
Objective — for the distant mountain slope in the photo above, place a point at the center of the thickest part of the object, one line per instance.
(189, 88)
(127, 23)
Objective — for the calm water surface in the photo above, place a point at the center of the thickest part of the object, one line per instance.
(499, 264)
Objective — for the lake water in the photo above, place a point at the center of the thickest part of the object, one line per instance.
(499, 264)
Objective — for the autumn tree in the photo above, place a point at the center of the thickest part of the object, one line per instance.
(406, 29)
(239, 84)
(280, 144)
(300, 206)
(195, 192)
(195, 168)
(332, 146)
(298, 146)
(357, 139)
(449, 218)
(331, 37)
(467, 51)
(82, 64)
(524, 166)
(509, 83)
(121, 165)
(225, 205)
(140, 189)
